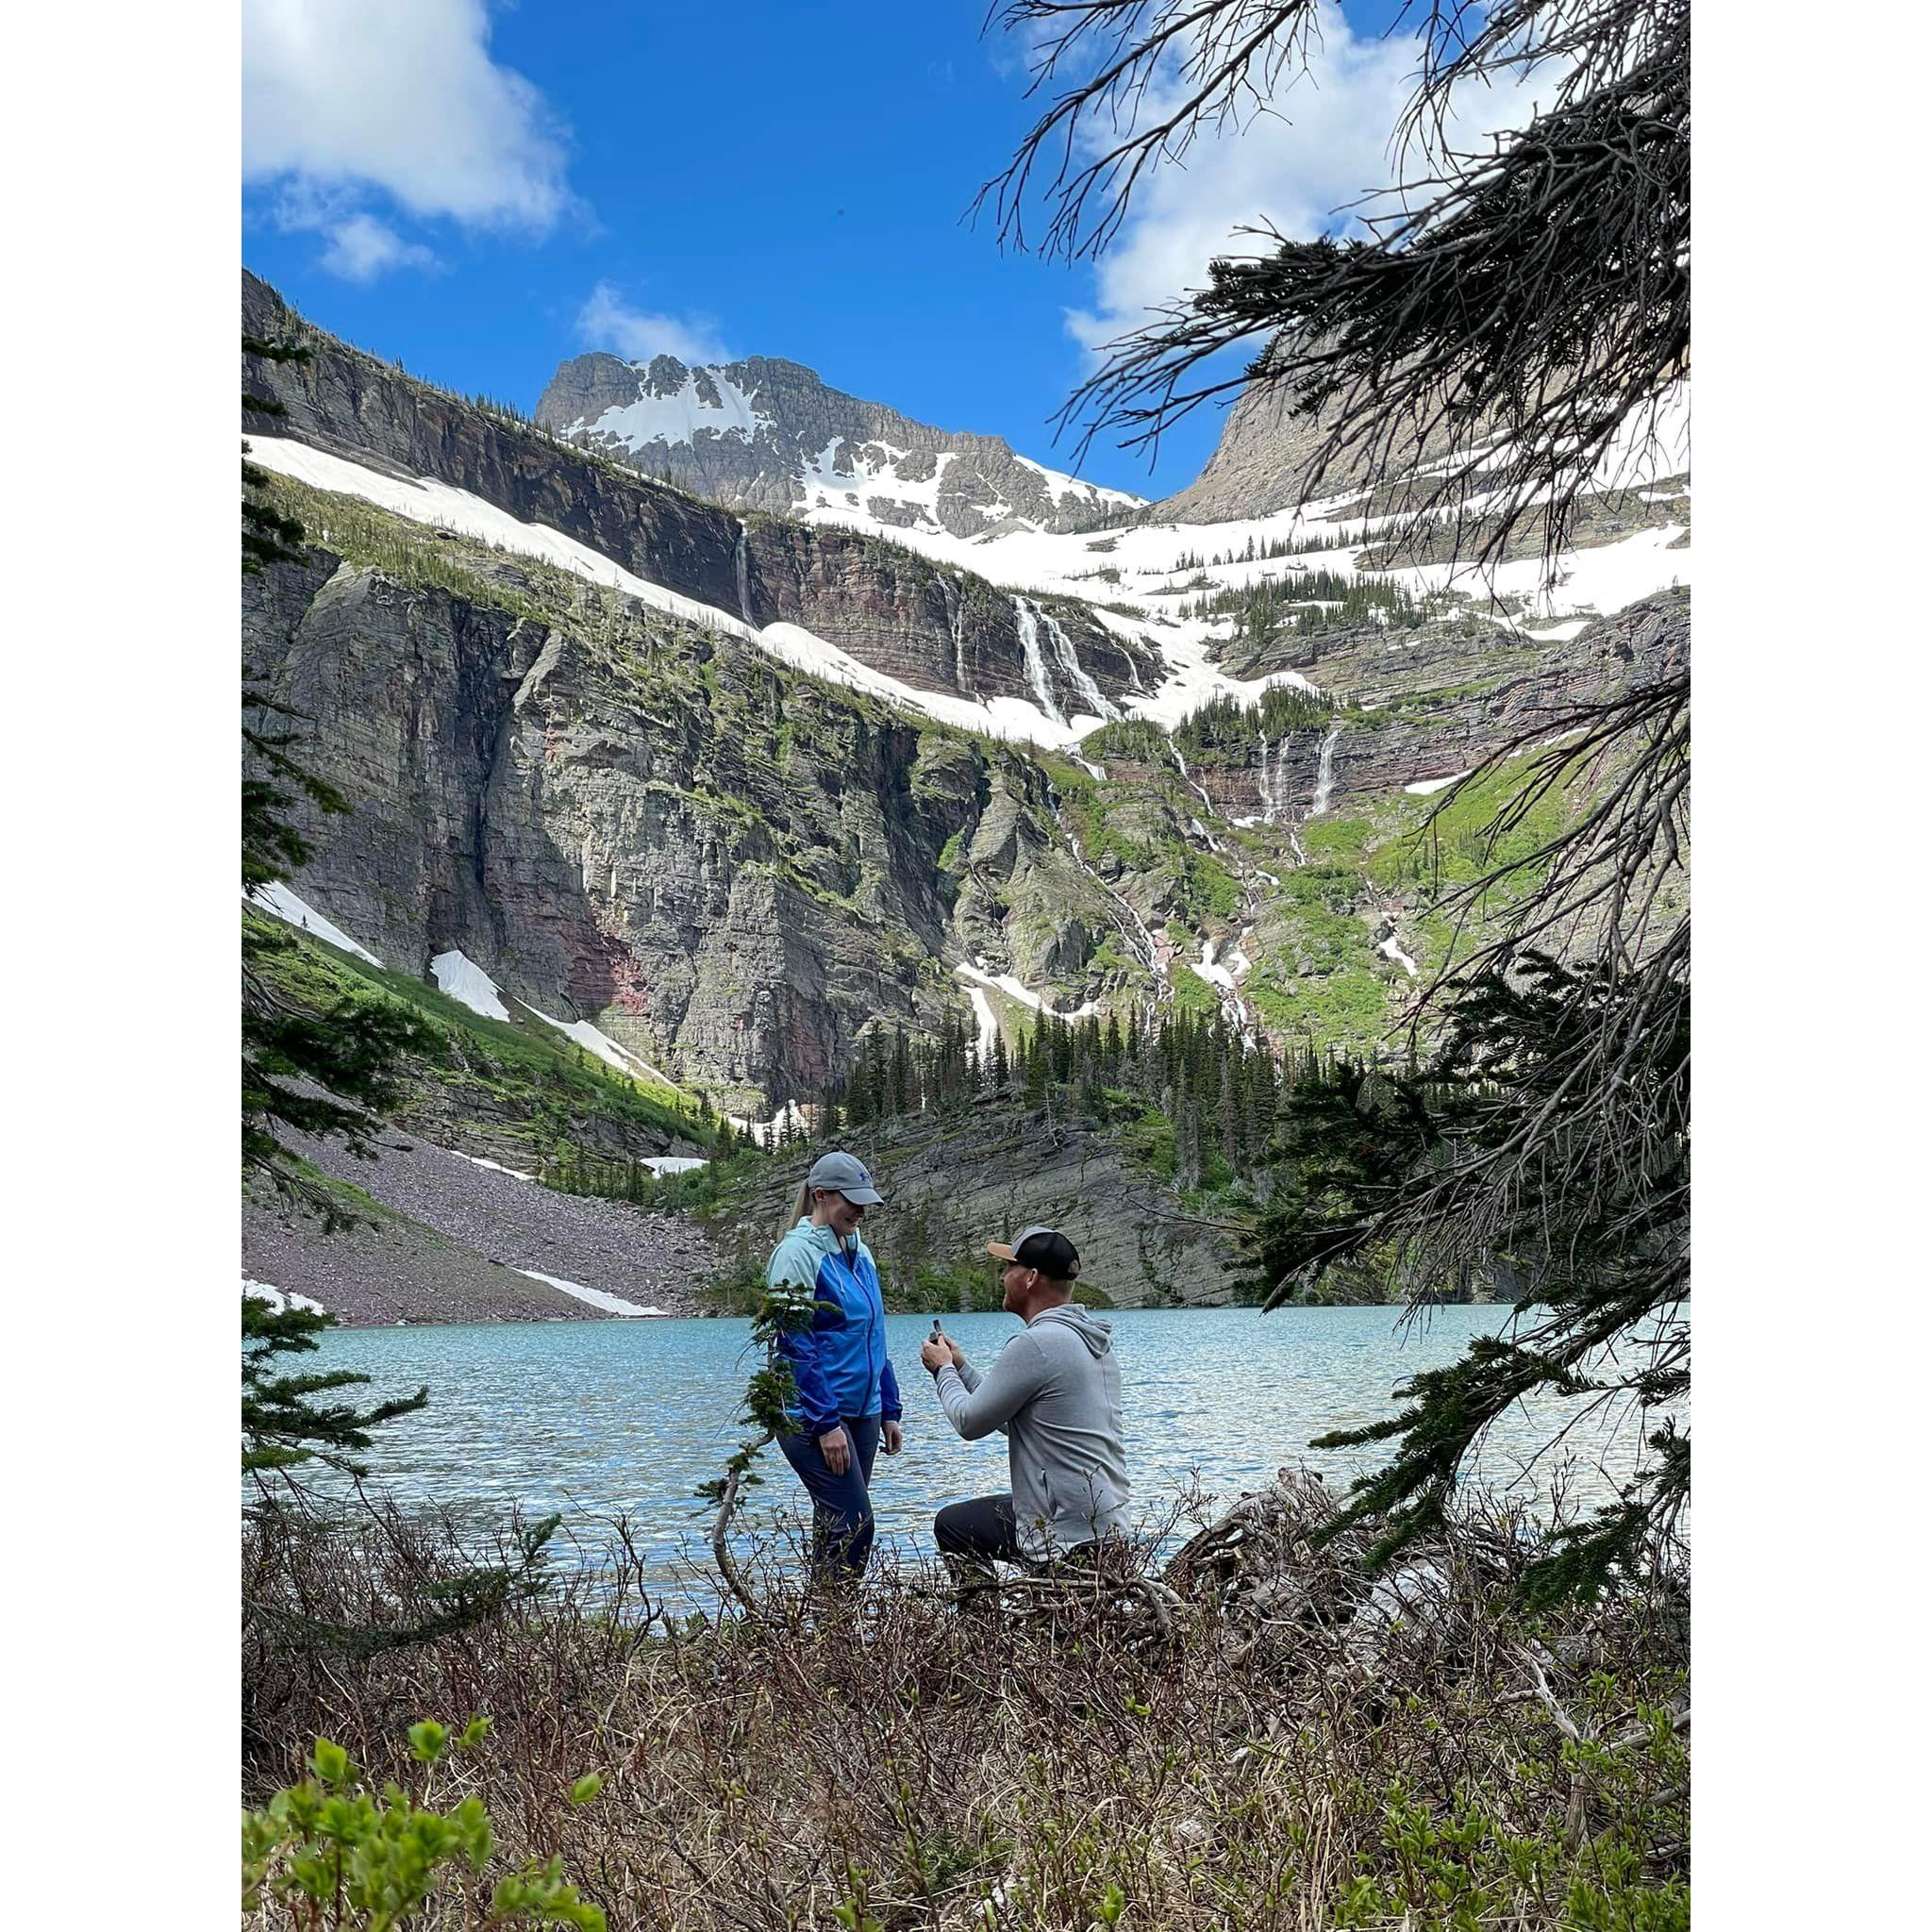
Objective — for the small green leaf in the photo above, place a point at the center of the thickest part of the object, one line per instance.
(429, 1740)
(329, 1763)
(586, 1787)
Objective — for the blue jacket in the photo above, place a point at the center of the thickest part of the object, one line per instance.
(840, 1362)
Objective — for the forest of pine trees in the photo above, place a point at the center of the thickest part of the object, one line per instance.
(1204, 1103)
(1316, 601)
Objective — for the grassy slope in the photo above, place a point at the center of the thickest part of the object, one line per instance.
(512, 1085)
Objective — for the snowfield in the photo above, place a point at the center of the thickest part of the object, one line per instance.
(462, 979)
(1016, 989)
(275, 897)
(278, 1298)
(681, 416)
(611, 1304)
(1149, 569)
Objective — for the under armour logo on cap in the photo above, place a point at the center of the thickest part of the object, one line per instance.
(841, 1173)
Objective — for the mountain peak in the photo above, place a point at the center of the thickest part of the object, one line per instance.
(763, 433)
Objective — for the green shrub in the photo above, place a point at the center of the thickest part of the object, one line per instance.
(338, 1856)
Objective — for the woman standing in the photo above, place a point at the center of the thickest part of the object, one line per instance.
(847, 1400)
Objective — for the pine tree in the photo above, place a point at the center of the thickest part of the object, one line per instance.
(281, 1424)
(354, 1052)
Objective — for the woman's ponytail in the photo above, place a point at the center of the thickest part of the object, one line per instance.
(801, 1207)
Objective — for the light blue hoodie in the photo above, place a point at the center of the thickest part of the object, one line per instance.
(840, 1362)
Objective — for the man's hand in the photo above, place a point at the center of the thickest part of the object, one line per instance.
(892, 1435)
(938, 1350)
(837, 1449)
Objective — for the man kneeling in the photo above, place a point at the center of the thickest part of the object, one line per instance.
(1056, 1391)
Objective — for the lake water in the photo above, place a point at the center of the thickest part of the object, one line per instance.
(598, 1419)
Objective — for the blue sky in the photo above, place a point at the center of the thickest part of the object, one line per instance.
(483, 190)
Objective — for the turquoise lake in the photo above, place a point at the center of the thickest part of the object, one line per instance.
(598, 1419)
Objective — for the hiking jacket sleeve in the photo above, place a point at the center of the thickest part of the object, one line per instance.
(890, 1407)
(1015, 1378)
(799, 1346)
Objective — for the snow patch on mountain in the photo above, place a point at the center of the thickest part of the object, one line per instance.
(1060, 486)
(611, 1304)
(438, 505)
(1016, 989)
(462, 979)
(983, 1012)
(279, 1298)
(275, 897)
(494, 1166)
(424, 500)
(716, 405)
(607, 1049)
(1428, 787)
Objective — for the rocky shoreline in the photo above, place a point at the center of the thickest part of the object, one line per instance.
(451, 1239)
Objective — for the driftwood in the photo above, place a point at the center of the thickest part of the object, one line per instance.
(1276, 1586)
(1068, 1588)
(728, 1500)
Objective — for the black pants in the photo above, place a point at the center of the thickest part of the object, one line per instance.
(841, 1519)
(974, 1536)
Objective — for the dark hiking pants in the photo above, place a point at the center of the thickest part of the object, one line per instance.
(841, 1521)
(975, 1535)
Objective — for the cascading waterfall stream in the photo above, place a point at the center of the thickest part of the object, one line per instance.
(1075, 672)
(955, 622)
(741, 559)
(1027, 620)
(1267, 796)
(1174, 752)
(1133, 928)
(1279, 800)
(1325, 771)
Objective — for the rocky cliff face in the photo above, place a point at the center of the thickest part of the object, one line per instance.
(939, 630)
(1434, 701)
(1265, 461)
(955, 1182)
(731, 869)
(768, 435)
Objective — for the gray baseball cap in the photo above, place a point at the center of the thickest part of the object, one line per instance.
(844, 1175)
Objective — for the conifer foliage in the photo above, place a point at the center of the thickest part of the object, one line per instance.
(1548, 1134)
(1523, 304)
(309, 1073)
(1517, 317)
(319, 1073)
(281, 1423)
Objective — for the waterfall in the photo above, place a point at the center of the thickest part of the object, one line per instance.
(1028, 621)
(1075, 672)
(955, 621)
(1280, 798)
(1267, 796)
(741, 557)
(1325, 771)
(1174, 752)
(1133, 928)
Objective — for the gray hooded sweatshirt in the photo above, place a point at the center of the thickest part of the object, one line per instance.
(1056, 1391)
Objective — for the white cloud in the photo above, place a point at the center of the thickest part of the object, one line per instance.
(343, 99)
(1326, 144)
(608, 321)
(361, 248)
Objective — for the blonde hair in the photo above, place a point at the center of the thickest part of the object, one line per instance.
(801, 1209)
